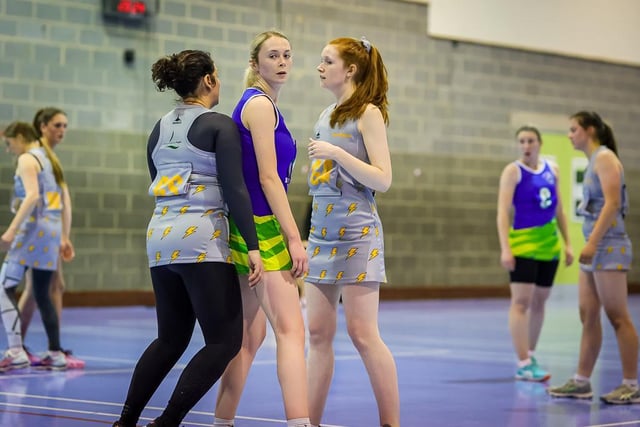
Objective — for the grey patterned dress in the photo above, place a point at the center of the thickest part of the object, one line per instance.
(614, 250)
(346, 243)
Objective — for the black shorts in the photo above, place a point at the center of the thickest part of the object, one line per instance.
(529, 270)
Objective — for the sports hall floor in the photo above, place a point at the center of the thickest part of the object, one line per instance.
(454, 358)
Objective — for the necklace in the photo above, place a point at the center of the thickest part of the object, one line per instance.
(194, 102)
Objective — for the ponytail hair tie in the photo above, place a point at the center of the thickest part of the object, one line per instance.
(366, 43)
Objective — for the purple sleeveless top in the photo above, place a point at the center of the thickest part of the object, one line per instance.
(285, 153)
(535, 197)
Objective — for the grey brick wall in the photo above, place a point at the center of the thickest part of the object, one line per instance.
(452, 118)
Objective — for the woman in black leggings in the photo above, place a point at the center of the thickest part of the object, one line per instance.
(194, 158)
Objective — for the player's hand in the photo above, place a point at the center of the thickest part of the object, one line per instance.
(586, 256)
(568, 255)
(507, 260)
(6, 240)
(256, 268)
(299, 258)
(67, 252)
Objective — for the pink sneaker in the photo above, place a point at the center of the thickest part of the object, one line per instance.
(34, 360)
(72, 361)
(12, 361)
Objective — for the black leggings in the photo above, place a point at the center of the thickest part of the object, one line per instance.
(41, 293)
(210, 293)
(41, 287)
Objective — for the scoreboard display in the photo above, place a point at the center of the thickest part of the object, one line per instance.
(129, 9)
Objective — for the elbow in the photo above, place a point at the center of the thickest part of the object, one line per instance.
(268, 181)
(384, 184)
(31, 199)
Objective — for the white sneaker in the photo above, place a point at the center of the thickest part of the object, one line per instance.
(53, 361)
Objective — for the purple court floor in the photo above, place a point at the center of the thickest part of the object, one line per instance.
(454, 357)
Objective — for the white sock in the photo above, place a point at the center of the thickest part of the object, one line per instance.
(298, 422)
(581, 379)
(630, 383)
(523, 363)
(221, 422)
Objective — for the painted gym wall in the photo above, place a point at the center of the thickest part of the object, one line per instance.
(454, 108)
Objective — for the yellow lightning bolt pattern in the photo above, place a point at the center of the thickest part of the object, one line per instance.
(312, 229)
(339, 275)
(40, 233)
(199, 189)
(208, 212)
(361, 277)
(374, 253)
(184, 209)
(45, 249)
(365, 231)
(323, 232)
(189, 231)
(158, 255)
(342, 231)
(201, 257)
(377, 231)
(164, 211)
(216, 234)
(352, 208)
(315, 207)
(352, 252)
(328, 209)
(166, 232)
(334, 252)
(149, 233)
(323, 274)
(175, 254)
(31, 248)
(316, 251)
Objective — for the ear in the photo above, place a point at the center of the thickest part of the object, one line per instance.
(253, 65)
(209, 80)
(351, 70)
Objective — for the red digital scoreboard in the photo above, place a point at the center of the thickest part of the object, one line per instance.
(129, 9)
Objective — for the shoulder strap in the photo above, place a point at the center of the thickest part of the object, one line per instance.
(37, 160)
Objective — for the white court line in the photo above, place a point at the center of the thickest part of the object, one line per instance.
(410, 353)
(108, 414)
(625, 423)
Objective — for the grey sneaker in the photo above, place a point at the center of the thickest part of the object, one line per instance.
(572, 388)
(622, 395)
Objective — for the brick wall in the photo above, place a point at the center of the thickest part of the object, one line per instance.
(452, 120)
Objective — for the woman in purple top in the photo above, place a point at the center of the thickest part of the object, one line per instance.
(268, 154)
(530, 248)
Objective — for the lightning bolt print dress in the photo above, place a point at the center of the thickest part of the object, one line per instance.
(614, 251)
(37, 243)
(346, 243)
(189, 223)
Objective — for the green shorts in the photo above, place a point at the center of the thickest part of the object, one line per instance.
(273, 248)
